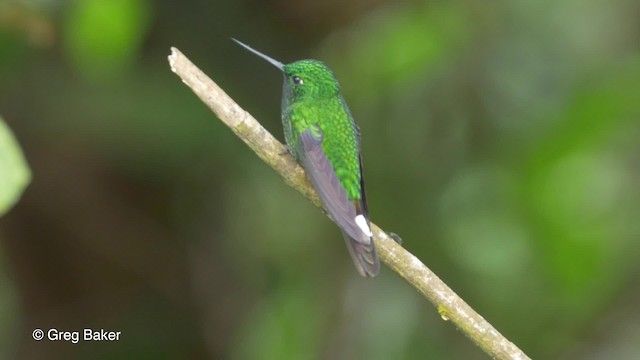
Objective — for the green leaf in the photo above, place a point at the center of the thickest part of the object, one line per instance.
(14, 171)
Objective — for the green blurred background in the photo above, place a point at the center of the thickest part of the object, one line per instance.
(500, 139)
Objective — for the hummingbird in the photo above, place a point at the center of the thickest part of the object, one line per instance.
(323, 137)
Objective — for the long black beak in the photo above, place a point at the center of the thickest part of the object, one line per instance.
(274, 62)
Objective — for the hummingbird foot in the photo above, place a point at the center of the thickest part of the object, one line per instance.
(285, 151)
(396, 238)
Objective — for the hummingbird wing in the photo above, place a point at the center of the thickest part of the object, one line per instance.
(349, 215)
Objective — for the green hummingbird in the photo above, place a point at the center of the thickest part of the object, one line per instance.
(323, 137)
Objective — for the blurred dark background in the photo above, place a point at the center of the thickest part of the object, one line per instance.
(500, 139)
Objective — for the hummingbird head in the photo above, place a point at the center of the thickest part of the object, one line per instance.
(304, 79)
(310, 79)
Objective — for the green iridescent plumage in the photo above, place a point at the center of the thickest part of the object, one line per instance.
(318, 104)
(322, 135)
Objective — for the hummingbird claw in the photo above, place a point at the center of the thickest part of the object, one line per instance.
(396, 238)
(285, 151)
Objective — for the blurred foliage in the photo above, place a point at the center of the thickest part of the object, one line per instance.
(14, 172)
(500, 142)
(102, 37)
(14, 177)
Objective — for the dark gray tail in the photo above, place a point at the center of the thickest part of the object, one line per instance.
(364, 256)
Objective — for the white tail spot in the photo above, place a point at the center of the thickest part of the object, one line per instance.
(362, 224)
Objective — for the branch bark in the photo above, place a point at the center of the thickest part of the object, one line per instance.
(450, 306)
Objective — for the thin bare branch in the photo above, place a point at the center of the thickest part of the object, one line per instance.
(450, 306)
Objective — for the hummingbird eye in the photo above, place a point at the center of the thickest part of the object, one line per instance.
(297, 80)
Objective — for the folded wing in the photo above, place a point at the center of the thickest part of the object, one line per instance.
(349, 215)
